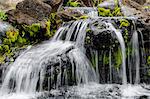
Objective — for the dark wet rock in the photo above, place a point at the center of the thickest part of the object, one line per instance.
(143, 97)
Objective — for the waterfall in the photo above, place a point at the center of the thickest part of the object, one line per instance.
(136, 56)
(30, 67)
(123, 50)
(63, 61)
(25, 71)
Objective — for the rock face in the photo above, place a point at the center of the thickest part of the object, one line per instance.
(34, 8)
(88, 3)
(69, 14)
(8, 4)
(140, 1)
(54, 3)
(29, 11)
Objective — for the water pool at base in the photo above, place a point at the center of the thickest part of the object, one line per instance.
(89, 91)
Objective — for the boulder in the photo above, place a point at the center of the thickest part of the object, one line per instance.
(34, 8)
(69, 14)
(8, 4)
(55, 4)
(29, 11)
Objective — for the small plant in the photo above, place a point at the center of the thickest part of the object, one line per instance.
(32, 29)
(106, 59)
(110, 12)
(124, 23)
(148, 60)
(104, 12)
(96, 2)
(2, 59)
(118, 59)
(3, 15)
(73, 3)
(117, 11)
(12, 35)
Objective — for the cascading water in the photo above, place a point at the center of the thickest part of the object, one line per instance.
(25, 72)
(30, 67)
(62, 61)
(136, 56)
(123, 49)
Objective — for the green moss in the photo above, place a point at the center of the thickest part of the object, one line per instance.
(146, 7)
(126, 35)
(48, 27)
(83, 17)
(104, 12)
(1, 48)
(110, 12)
(27, 35)
(52, 25)
(32, 29)
(3, 16)
(88, 40)
(105, 59)
(2, 59)
(148, 72)
(21, 40)
(148, 60)
(117, 11)
(118, 59)
(12, 35)
(6, 47)
(73, 3)
(97, 2)
(7, 41)
(124, 23)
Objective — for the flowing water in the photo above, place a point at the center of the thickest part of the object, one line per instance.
(123, 51)
(59, 68)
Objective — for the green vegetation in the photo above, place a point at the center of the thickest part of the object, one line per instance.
(148, 60)
(104, 12)
(8, 44)
(146, 7)
(117, 11)
(3, 16)
(124, 23)
(72, 3)
(33, 29)
(105, 59)
(15, 39)
(96, 2)
(109, 12)
(118, 59)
